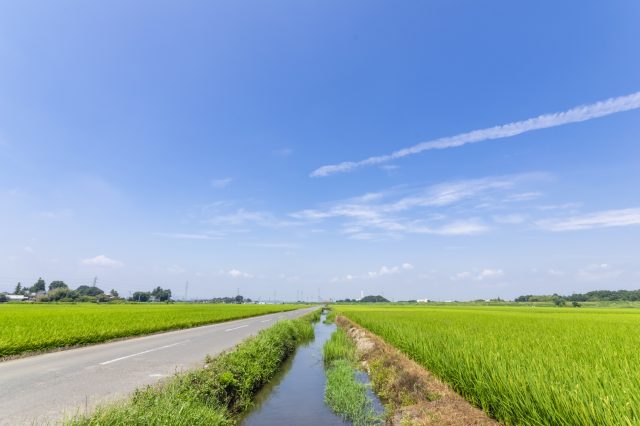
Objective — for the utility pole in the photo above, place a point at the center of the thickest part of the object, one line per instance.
(186, 291)
(95, 281)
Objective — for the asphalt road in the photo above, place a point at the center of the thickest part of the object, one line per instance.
(45, 389)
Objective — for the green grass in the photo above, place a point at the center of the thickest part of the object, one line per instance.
(330, 318)
(522, 365)
(215, 395)
(38, 327)
(343, 393)
(338, 347)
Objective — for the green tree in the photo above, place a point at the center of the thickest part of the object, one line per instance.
(86, 290)
(161, 294)
(62, 293)
(40, 285)
(373, 299)
(114, 293)
(18, 289)
(57, 284)
(140, 296)
(102, 298)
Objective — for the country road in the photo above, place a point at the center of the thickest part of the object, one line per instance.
(44, 389)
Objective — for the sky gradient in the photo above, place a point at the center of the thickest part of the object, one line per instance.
(444, 150)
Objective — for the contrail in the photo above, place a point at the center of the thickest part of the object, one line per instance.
(573, 115)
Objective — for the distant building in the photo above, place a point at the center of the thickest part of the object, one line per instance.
(16, 297)
(422, 300)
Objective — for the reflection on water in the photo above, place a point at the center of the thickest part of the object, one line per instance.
(296, 395)
(377, 406)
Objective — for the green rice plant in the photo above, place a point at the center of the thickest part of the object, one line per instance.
(524, 365)
(215, 395)
(38, 327)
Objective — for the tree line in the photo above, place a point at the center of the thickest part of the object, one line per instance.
(59, 291)
(365, 299)
(591, 296)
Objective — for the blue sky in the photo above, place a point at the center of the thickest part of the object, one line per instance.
(154, 143)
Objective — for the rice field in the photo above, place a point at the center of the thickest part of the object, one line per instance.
(37, 327)
(524, 365)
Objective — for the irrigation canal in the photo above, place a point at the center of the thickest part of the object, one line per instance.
(296, 395)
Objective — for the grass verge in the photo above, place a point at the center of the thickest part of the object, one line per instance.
(343, 393)
(216, 394)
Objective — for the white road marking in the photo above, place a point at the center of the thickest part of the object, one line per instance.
(142, 353)
(267, 320)
(235, 328)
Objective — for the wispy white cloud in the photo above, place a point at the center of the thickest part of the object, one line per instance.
(461, 227)
(509, 219)
(384, 270)
(221, 183)
(599, 272)
(563, 206)
(55, 214)
(104, 261)
(271, 245)
(573, 115)
(603, 219)
(175, 269)
(235, 273)
(224, 218)
(243, 217)
(525, 196)
(232, 216)
(556, 272)
(186, 236)
(436, 209)
(379, 273)
(484, 274)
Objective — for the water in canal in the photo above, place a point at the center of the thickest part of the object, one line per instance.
(296, 396)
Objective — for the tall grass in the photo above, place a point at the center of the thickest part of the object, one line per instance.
(215, 395)
(37, 327)
(338, 347)
(343, 393)
(535, 366)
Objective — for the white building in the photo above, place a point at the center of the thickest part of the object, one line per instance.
(16, 297)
